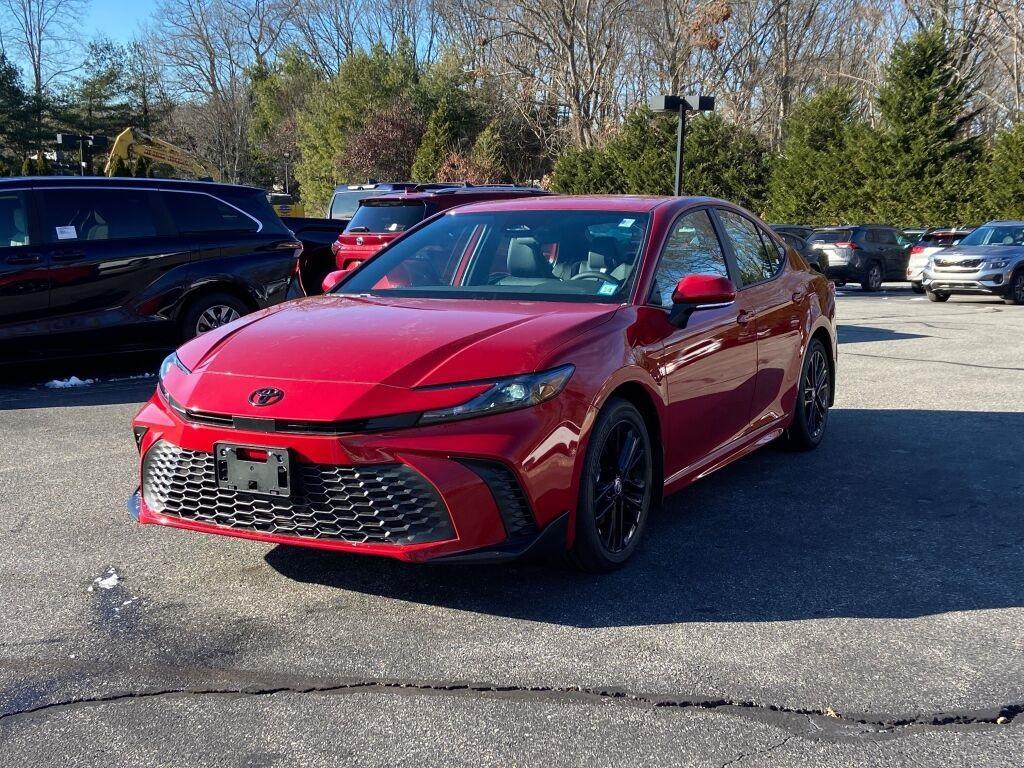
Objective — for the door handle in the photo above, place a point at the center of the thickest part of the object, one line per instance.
(68, 255)
(24, 258)
(744, 317)
(799, 296)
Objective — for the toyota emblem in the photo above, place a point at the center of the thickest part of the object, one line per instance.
(266, 396)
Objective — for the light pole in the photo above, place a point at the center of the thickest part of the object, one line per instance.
(287, 159)
(681, 105)
(84, 143)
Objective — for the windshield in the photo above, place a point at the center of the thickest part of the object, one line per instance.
(1003, 234)
(534, 255)
(831, 236)
(389, 216)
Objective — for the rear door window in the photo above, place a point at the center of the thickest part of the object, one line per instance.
(198, 213)
(384, 217)
(98, 214)
(14, 229)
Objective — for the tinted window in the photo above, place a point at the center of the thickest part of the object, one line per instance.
(537, 255)
(831, 236)
(887, 236)
(386, 217)
(197, 213)
(13, 220)
(756, 258)
(692, 249)
(940, 239)
(98, 214)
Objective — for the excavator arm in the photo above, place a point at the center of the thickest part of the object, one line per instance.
(132, 143)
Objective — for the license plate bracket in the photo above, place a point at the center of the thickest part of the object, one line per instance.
(253, 469)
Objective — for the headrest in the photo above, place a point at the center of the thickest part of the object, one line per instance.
(603, 255)
(526, 260)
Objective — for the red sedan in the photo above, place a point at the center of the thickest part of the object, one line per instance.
(505, 377)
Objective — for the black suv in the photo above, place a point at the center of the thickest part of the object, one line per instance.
(133, 263)
(868, 254)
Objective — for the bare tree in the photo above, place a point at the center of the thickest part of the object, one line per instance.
(42, 33)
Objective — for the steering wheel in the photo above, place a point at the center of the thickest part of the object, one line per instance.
(593, 275)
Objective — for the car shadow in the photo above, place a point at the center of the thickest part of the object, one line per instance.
(856, 334)
(889, 518)
(113, 379)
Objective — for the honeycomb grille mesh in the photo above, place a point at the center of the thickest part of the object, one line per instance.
(378, 503)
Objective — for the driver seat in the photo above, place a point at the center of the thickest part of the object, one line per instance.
(526, 263)
(604, 257)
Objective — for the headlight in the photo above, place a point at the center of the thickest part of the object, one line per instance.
(172, 361)
(997, 264)
(507, 395)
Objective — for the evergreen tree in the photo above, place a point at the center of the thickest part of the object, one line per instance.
(813, 180)
(920, 162)
(1001, 185)
(452, 126)
(488, 155)
(28, 167)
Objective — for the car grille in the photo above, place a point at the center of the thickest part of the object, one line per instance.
(958, 263)
(376, 503)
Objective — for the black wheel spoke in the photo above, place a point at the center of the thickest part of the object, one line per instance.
(620, 486)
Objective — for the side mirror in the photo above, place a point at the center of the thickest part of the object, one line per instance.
(696, 292)
(332, 279)
(699, 291)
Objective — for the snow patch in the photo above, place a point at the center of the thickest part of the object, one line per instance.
(69, 383)
(109, 580)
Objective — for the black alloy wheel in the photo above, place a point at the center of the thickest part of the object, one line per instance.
(617, 488)
(813, 399)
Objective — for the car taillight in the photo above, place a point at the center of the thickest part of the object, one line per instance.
(848, 244)
(916, 249)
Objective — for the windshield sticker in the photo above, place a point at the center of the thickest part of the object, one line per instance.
(67, 233)
(607, 289)
(627, 223)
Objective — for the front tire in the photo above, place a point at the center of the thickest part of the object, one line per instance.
(937, 296)
(814, 397)
(873, 279)
(210, 311)
(616, 488)
(1016, 292)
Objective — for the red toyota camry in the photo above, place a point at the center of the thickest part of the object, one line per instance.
(506, 376)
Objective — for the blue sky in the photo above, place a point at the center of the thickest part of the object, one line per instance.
(116, 19)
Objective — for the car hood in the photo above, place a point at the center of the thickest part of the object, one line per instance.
(337, 357)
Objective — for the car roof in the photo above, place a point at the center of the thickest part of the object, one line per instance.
(118, 181)
(1003, 223)
(627, 203)
(456, 192)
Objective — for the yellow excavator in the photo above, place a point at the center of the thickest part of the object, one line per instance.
(132, 143)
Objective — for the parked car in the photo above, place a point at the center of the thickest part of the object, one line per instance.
(914, 233)
(813, 257)
(869, 254)
(379, 220)
(87, 262)
(988, 261)
(797, 230)
(931, 242)
(506, 377)
(346, 197)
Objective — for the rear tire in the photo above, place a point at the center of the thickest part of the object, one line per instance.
(917, 288)
(937, 296)
(1016, 292)
(616, 488)
(813, 399)
(210, 311)
(873, 279)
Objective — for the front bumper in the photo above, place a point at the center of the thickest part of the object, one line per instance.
(983, 281)
(501, 483)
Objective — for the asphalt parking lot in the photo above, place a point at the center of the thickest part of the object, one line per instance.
(859, 605)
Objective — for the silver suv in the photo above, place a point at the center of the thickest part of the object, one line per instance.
(990, 261)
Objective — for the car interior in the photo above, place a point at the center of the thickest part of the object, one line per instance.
(13, 222)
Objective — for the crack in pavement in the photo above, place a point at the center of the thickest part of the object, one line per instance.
(936, 362)
(823, 722)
